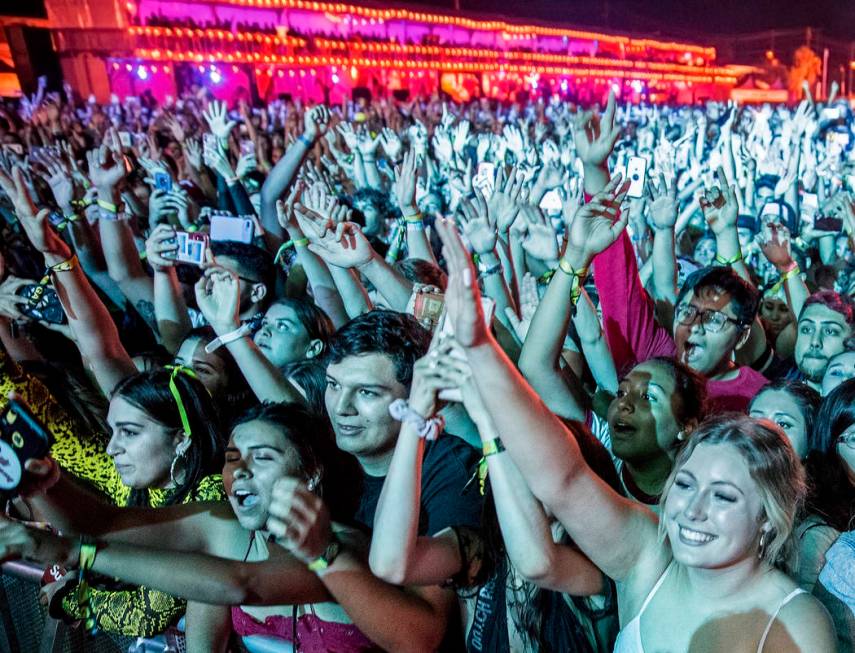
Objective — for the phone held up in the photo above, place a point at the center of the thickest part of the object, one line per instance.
(22, 437)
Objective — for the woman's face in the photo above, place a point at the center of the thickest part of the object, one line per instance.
(282, 338)
(776, 314)
(780, 408)
(142, 448)
(705, 251)
(847, 453)
(210, 368)
(258, 455)
(642, 416)
(840, 368)
(713, 511)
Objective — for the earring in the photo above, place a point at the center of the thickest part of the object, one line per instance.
(681, 435)
(175, 460)
(761, 550)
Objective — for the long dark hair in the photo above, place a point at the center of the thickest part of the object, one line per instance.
(531, 615)
(832, 494)
(149, 391)
(339, 475)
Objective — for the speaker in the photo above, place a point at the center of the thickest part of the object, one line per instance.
(34, 56)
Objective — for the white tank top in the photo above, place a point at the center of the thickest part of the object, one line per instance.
(629, 637)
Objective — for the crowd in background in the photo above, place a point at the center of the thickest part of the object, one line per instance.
(414, 375)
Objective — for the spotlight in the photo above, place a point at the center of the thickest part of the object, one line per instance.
(142, 73)
(215, 76)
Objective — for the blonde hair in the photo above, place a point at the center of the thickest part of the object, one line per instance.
(772, 463)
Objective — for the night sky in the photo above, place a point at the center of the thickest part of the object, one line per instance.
(683, 18)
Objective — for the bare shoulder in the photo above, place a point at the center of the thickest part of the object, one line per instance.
(802, 625)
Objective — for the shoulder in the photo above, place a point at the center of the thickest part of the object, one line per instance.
(751, 377)
(450, 454)
(803, 624)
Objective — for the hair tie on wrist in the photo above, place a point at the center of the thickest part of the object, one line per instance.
(427, 429)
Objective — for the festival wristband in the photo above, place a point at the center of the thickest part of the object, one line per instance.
(226, 338)
(88, 551)
(728, 261)
(492, 447)
(305, 141)
(428, 429)
(108, 206)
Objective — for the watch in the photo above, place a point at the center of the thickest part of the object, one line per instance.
(327, 557)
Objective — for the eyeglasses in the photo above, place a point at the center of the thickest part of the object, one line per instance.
(847, 440)
(712, 321)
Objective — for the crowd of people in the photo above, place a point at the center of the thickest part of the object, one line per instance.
(416, 376)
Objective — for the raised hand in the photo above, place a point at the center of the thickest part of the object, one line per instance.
(193, 153)
(663, 204)
(367, 145)
(57, 175)
(514, 139)
(161, 248)
(462, 297)
(720, 206)
(246, 164)
(597, 224)
(596, 134)
(774, 241)
(105, 177)
(406, 180)
(460, 136)
(343, 244)
(316, 122)
(299, 520)
(539, 238)
(347, 133)
(218, 298)
(528, 306)
(442, 145)
(218, 121)
(391, 143)
(477, 224)
(503, 205)
(437, 370)
(216, 160)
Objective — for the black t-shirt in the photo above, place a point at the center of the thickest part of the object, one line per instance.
(447, 466)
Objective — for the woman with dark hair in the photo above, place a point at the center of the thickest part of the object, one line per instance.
(199, 552)
(831, 500)
(792, 405)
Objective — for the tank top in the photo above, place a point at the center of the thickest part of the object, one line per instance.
(629, 637)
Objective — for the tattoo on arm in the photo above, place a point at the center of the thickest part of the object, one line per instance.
(146, 310)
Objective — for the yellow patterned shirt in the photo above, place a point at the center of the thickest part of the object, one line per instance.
(138, 611)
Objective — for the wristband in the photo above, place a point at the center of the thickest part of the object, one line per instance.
(413, 217)
(486, 271)
(728, 261)
(226, 338)
(62, 266)
(492, 447)
(231, 181)
(427, 429)
(305, 141)
(296, 242)
(546, 277)
(792, 271)
(329, 555)
(577, 276)
(108, 206)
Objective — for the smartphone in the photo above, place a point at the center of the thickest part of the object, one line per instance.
(22, 437)
(828, 224)
(191, 247)
(830, 113)
(247, 147)
(225, 227)
(810, 201)
(163, 181)
(636, 172)
(485, 179)
(42, 304)
(125, 139)
(15, 148)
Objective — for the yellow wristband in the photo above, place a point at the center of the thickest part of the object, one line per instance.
(108, 206)
(492, 447)
(728, 261)
(566, 268)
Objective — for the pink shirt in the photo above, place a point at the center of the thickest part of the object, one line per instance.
(634, 335)
(314, 635)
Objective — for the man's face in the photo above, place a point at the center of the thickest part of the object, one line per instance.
(697, 346)
(821, 333)
(359, 391)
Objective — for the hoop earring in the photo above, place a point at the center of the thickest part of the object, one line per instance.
(172, 468)
(761, 550)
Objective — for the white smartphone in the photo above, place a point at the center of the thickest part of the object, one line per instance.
(225, 227)
(484, 179)
(125, 139)
(551, 202)
(191, 247)
(636, 172)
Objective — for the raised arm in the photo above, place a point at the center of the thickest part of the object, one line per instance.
(283, 173)
(217, 295)
(396, 620)
(406, 179)
(547, 456)
(95, 333)
(170, 309)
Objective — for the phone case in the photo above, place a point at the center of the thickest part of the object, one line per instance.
(229, 228)
(22, 437)
(636, 170)
(47, 308)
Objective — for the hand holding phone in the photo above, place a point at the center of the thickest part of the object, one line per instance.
(22, 437)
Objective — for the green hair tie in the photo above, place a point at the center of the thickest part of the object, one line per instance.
(173, 388)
